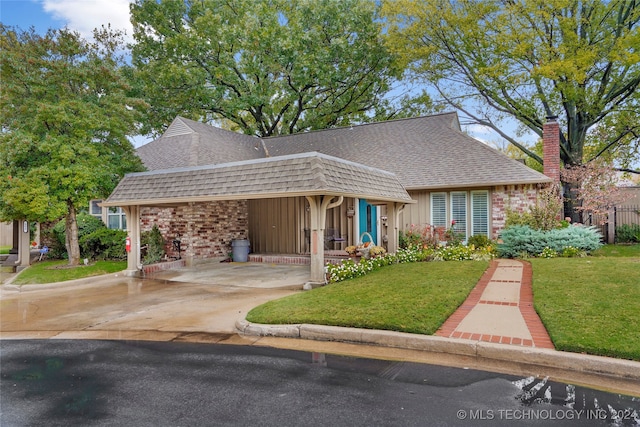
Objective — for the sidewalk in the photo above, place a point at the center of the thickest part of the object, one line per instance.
(500, 309)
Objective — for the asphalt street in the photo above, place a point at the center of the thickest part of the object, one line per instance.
(124, 383)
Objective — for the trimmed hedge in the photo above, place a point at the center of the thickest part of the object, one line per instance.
(104, 244)
(522, 240)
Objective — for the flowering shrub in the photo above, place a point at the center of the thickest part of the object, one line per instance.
(547, 252)
(423, 236)
(349, 269)
(573, 252)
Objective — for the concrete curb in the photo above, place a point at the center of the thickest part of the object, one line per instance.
(573, 362)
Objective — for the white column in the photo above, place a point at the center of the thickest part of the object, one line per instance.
(318, 206)
(24, 246)
(393, 221)
(134, 263)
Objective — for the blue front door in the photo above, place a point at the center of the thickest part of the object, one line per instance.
(368, 221)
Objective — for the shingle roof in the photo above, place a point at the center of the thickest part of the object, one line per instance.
(425, 152)
(284, 176)
(188, 143)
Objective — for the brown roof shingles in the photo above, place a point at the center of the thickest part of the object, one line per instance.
(424, 153)
(294, 175)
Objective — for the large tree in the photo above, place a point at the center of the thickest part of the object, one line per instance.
(266, 67)
(528, 59)
(65, 118)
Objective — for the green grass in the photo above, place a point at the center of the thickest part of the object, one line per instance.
(57, 271)
(414, 297)
(618, 251)
(591, 305)
(4, 250)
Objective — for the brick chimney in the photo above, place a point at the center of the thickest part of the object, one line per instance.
(551, 148)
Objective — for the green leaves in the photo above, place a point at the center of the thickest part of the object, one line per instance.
(268, 66)
(577, 59)
(65, 118)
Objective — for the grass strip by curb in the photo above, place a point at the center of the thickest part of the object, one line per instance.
(56, 271)
(412, 297)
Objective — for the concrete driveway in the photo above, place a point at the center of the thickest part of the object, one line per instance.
(207, 298)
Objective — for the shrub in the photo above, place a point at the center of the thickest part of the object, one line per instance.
(628, 233)
(542, 216)
(155, 245)
(87, 224)
(479, 241)
(523, 240)
(421, 236)
(104, 244)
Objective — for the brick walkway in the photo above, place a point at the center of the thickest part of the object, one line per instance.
(500, 309)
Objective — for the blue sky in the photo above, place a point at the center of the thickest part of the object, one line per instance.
(79, 15)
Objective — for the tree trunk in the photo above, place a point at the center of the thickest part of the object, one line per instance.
(571, 202)
(71, 235)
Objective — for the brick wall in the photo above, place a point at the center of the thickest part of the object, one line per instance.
(517, 198)
(206, 229)
(551, 149)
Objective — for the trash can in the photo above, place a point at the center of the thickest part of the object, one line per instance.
(240, 250)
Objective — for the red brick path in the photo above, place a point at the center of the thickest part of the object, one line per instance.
(537, 330)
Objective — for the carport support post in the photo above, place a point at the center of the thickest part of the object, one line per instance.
(133, 232)
(24, 246)
(393, 221)
(318, 206)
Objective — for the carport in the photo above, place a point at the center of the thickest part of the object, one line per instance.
(323, 180)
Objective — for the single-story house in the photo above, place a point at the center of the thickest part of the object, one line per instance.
(318, 191)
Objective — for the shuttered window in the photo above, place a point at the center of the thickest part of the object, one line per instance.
(439, 209)
(480, 213)
(459, 213)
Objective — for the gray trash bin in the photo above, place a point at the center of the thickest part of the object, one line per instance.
(240, 249)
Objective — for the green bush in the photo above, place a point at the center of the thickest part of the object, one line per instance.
(87, 224)
(628, 233)
(104, 244)
(521, 240)
(154, 245)
(479, 241)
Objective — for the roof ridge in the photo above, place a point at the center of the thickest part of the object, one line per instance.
(382, 122)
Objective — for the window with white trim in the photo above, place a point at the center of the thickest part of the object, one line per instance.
(469, 210)
(439, 209)
(459, 213)
(480, 213)
(116, 218)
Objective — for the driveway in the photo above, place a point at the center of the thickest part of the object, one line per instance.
(207, 298)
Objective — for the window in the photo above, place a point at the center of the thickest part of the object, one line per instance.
(469, 209)
(480, 213)
(95, 210)
(439, 210)
(116, 218)
(459, 213)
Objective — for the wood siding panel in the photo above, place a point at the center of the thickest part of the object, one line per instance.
(416, 213)
(281, 226)
(275, 225)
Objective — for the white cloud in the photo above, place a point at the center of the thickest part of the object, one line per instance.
(85, 15)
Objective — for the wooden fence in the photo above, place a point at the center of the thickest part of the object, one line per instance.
(620, 215)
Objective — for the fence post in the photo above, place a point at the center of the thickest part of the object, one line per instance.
(611, 224)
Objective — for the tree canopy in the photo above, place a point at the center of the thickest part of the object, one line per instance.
(527, 59)
(65, 118)
(268, 67)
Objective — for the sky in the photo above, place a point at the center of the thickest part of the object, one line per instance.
(79, 15)
(85, 15)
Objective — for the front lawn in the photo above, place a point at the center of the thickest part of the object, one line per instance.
(412, 297)
(591, 305)
(58, 271)
(4, 250)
